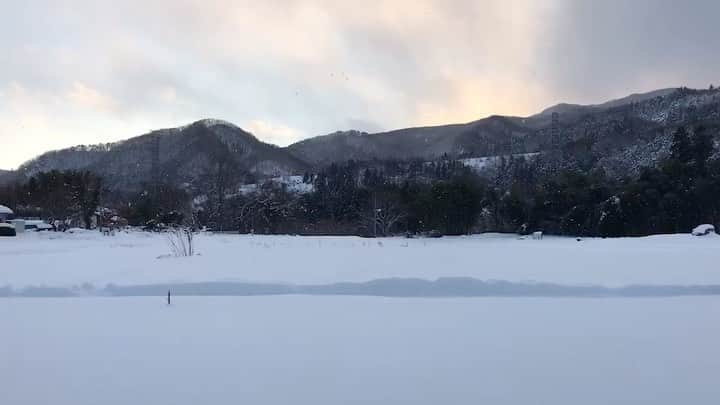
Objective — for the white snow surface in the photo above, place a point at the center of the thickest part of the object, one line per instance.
(359, 350)
(301, 349)
(54, 259)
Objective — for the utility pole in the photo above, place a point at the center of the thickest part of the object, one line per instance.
(155, 172)
(555, 131)
(375, 218)
(155, 161)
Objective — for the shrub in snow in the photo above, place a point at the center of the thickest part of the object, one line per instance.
(181, 242)
(702, 230)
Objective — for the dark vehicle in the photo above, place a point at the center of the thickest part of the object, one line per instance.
(7, 230)
(434, 234)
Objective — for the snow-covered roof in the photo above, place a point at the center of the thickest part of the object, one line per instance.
(5, 210)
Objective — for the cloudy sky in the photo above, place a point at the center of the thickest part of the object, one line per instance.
(81, 72)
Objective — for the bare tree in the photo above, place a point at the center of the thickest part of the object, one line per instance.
(85, 191)
(182, 238)
(387, 216)
(384, 214)
(245, 214)
(181, 241)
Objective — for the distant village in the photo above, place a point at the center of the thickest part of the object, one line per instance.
(104, 219)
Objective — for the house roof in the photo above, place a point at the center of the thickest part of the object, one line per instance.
(5, 210)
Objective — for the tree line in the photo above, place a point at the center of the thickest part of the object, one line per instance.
(56, 194)
(444, 196)
(522, 196)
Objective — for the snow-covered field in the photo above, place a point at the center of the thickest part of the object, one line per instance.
(64, 260)
(304, 349)
(359, 350)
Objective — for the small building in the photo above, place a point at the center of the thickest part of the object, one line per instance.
(5, 213)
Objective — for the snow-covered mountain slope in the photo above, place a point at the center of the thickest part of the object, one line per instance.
(619, 136)
(184, 155)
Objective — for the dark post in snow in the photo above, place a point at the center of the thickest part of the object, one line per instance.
(168, 297)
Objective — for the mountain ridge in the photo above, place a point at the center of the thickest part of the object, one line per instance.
(184, 155)
(617, 135)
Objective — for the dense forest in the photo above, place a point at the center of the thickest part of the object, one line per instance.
(56, 195)
(408, 197)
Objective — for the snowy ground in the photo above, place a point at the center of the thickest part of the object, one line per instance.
(64, 260)
(303, 349)
(359, 350)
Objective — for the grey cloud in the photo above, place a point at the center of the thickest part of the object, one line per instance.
(315, 67)
(601, 49)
